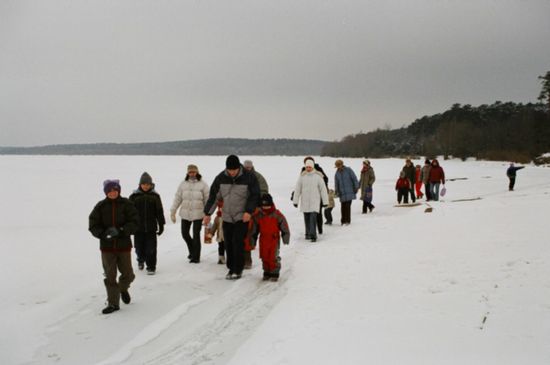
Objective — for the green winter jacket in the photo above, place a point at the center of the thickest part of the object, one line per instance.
(119, 213)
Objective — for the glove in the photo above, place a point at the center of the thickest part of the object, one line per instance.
(173, 217)
(161, 229)
(295, 205)
(111, 233)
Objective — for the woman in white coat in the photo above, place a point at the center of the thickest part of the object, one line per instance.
(309, 193)
(190, 198)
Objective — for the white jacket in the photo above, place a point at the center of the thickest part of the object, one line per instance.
(190, 197)
(310, 191)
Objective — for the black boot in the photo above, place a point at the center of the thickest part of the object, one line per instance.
(110, 309)
(125, 296)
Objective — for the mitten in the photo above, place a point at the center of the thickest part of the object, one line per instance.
(111, 233)
(161, 229)
(173, 217)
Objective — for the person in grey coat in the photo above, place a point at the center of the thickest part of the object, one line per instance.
(346, 186)
(240, 192)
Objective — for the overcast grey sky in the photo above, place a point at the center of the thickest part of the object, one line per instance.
(75, 71)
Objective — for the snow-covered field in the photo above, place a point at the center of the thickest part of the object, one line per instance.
(468, 283)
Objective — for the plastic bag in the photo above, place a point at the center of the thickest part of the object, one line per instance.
(443, 191)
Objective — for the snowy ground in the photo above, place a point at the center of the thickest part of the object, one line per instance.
(468, 283)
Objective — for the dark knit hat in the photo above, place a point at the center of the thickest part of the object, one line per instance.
(146, 179)
(232, 162)
(266, 200)
(109, 185)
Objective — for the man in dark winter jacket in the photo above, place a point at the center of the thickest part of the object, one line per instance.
(240, 192)
(410, 174)
(151, 218)
(511, 173)
(113, 220)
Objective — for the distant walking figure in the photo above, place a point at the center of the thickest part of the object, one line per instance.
(511, 173)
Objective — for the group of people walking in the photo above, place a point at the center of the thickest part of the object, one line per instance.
(411, 178)
(244, 214)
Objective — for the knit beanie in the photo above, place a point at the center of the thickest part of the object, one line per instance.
(109, 185)
(266, 201)
(146, 179)
(309, 163)
(232, 162)
(191, 168)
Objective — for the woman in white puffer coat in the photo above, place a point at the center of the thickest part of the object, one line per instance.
(190, 198)
(310, 192)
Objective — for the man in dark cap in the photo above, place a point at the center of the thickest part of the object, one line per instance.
(113, 220)
(240, 192)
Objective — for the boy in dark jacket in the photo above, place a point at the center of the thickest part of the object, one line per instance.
(151, 217)
(402, 186)
(269, 224)
(113, 220)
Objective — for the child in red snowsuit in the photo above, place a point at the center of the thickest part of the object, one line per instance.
(418, 182)
(402, 186)
(270, 225)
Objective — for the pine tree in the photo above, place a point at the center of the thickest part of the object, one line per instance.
(544, 96)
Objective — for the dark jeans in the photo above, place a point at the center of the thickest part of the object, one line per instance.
(233, 234)
(320, 219)
(367, 205)
(411, 191)
(328, 215)
(146, 249)
(310, 219)
(193, 243)
(403, 194)
(345, 210)
(221, 248)
(427, 190)
(512, 182)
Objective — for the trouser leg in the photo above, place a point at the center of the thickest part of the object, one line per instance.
(196, 240)
(124, 263)
(109, 261)
(328, 215)
(151, 251)
(234, 234)
(185, 227)
(140, 244)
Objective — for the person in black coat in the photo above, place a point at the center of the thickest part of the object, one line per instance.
(151, 223)
(511, 173)
(113, 220)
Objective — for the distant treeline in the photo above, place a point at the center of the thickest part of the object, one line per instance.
(501, 131)
(215, 146)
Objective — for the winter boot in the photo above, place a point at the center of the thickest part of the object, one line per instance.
(150, 272)
(125, 296)
(221, 260)
(274, 277)
(140, 265)
(266, 276)
(110, 309)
